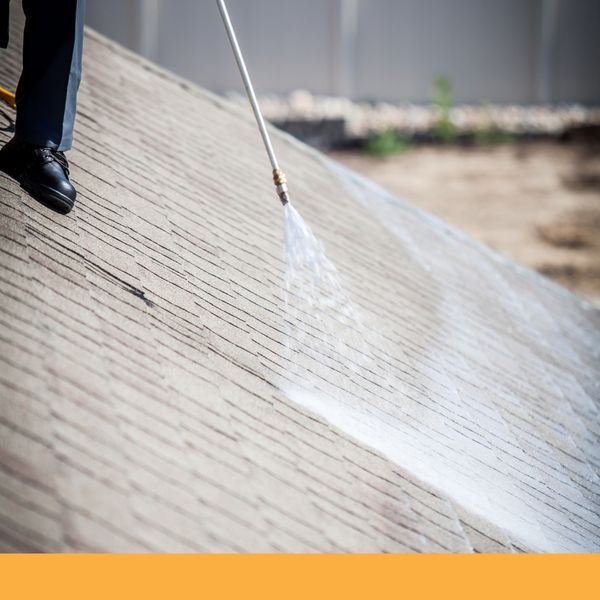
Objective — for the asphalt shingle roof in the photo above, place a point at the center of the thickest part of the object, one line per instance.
(143, 378)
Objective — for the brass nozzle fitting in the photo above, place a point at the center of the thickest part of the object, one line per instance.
(280, 181)
(279, 177)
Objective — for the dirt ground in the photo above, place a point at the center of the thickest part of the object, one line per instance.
(536, 202)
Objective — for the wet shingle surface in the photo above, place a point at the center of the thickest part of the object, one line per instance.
(142, 355)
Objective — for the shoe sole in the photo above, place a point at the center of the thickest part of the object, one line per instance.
(49, 197)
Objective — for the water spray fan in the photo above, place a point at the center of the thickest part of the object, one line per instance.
(279, 178)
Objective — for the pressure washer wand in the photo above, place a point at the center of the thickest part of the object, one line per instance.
(279, 178)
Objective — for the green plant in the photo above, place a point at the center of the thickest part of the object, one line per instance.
(442, 102)
(387, 143)
(492, 135)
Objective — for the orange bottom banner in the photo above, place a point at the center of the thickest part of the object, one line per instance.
(112, 576)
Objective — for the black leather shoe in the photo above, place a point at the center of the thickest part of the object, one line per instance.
(42, 172)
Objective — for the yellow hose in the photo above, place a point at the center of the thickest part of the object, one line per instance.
(8, 97)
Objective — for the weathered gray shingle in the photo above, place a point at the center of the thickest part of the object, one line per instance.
(144, 378)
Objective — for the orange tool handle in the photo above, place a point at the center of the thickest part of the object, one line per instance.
(8, 97)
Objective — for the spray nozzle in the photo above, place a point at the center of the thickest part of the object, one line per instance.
(280, 181)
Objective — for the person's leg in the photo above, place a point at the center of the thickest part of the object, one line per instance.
(47, 90)
(4, 23)
(46, 102)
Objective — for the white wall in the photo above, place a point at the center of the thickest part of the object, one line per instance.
(282, 46)
(492, 50)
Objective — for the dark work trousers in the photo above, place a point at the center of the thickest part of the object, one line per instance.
(47, 90)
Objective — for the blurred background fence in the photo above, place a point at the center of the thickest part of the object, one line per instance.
(500, 51)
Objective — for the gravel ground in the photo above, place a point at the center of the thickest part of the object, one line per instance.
(364, 118)
(537, 203)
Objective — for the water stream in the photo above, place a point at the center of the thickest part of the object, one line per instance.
(363, 377)
(326, 335)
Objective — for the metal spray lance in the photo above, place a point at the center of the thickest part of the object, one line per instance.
(279, 178)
